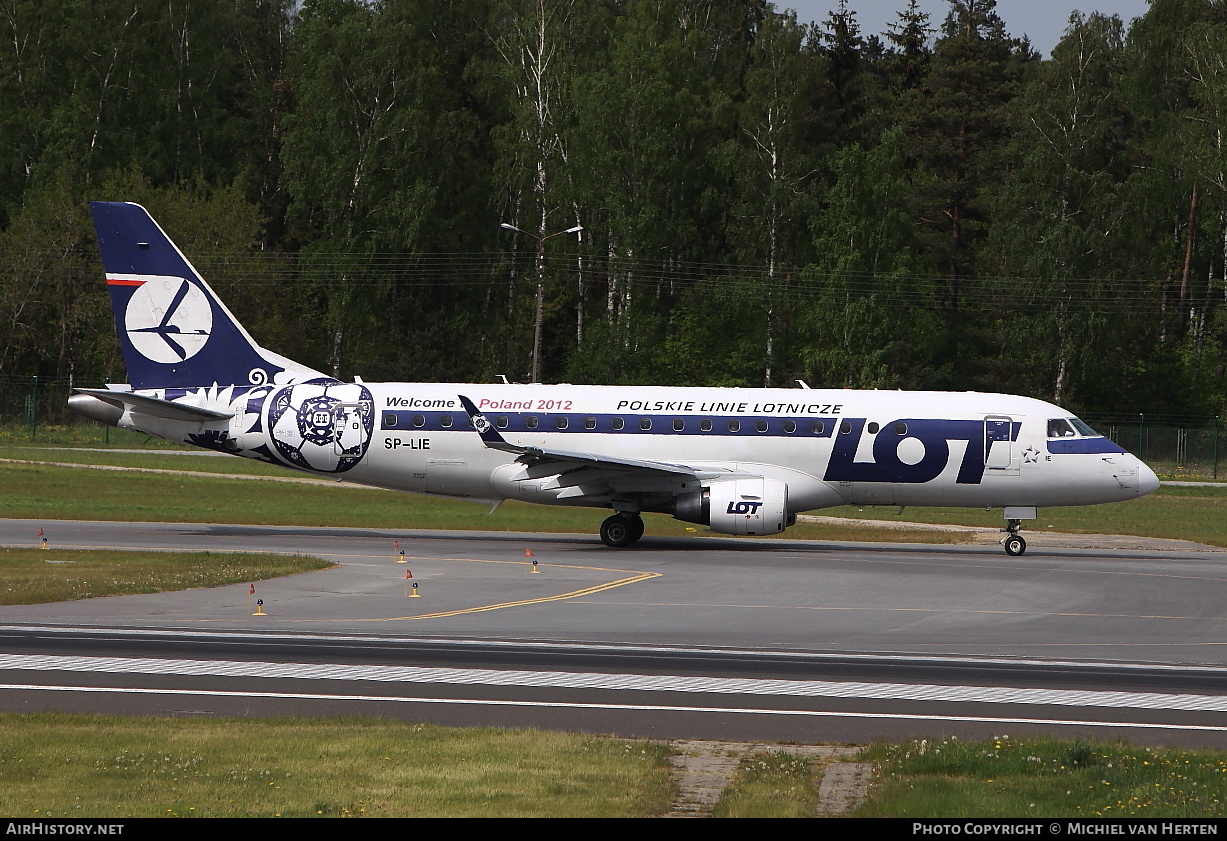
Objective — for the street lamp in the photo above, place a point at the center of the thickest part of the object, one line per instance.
(538, 317)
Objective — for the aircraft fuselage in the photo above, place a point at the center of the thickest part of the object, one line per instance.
(830, 447)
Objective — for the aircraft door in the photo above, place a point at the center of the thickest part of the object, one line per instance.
(998, 449)
(347, 431)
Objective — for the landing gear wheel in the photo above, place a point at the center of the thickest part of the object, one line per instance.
(1014, 545)
(621, 530)
(636, 526)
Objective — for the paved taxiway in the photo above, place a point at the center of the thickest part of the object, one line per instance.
(699, 637)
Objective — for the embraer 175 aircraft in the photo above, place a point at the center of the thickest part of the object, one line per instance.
(739, 460)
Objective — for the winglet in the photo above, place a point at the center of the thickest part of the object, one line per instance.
(489, 435)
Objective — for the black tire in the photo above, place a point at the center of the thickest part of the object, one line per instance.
(636, 526)
(1014, 545)
(618, 531)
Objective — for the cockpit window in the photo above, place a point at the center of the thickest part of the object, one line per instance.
(1059, 428)
(1084, 428)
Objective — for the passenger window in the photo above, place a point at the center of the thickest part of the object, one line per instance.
(705, 424)
(678, 424)
(501, 421)
(446, 421)
(734, 426)
(389, 420)
(531, 423)
(790, 427)
(645, 423)
(618, 423)
(818, 428)
(561, 422)
(845, 428)
(419, 421)
(873, 428)
(900, 428)
(761, 425)
(589, 423)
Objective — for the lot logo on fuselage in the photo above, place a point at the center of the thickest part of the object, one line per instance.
(917, 455)
(168, 319)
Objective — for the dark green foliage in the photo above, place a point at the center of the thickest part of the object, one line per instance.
(762, 199)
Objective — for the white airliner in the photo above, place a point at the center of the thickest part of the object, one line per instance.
(739, 460)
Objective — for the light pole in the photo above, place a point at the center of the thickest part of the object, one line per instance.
(538, 317)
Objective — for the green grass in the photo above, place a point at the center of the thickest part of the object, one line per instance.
(193, 461)
(61, 766)
(65, 766)
(82, 434)
(32, 491)
(1198, 514)
(40, 576)
(1021, 778)
(29, 491)
(770, 785)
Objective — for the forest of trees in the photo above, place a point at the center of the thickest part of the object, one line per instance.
(762, 199)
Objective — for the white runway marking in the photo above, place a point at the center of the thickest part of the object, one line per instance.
(610, 707)
(635, 682)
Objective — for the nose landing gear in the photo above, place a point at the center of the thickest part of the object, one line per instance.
(1013, 541)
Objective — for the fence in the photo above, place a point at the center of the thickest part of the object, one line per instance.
(1174, 445)
(30, 403)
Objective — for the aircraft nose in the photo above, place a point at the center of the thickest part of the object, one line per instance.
(1148, 482)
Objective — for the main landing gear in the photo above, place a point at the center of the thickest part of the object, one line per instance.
(621, 530)
(1013, 541)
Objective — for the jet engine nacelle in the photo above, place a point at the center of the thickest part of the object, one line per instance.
(738, 506)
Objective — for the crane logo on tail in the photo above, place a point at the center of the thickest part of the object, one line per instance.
(168, 319)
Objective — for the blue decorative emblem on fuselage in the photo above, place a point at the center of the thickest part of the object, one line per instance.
(323, 427)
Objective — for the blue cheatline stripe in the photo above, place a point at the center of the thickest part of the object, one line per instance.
(1066, 446)
(603, 424)
(746, 426)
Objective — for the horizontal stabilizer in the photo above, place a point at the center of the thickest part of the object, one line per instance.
(151, 406)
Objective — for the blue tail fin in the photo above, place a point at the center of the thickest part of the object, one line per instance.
(173, 330)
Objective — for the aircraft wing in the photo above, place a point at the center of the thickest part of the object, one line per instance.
(568, 461)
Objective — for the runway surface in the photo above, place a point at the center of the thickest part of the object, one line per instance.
(696, 638)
